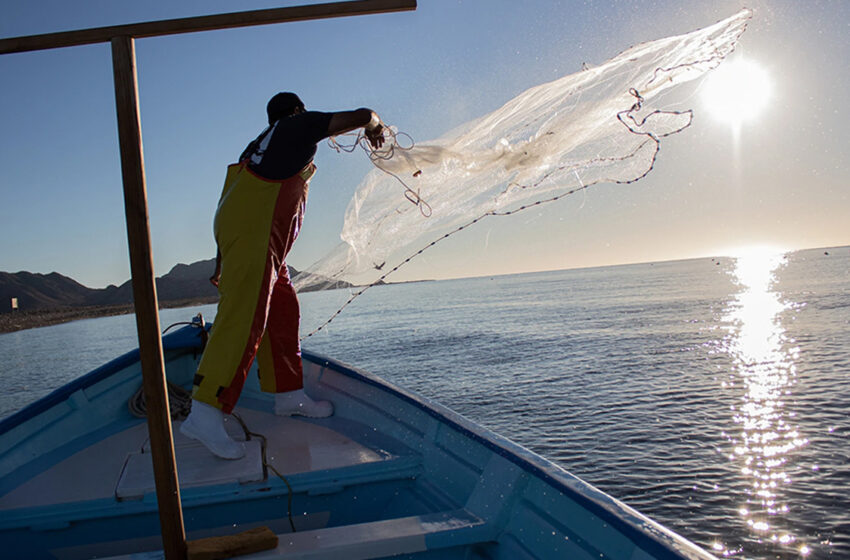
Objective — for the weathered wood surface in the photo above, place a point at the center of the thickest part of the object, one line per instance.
(203, 23)
(144, 296)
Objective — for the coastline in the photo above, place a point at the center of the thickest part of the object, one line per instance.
(35, 318)
(23, 320)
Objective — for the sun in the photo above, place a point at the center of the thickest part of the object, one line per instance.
(737, 91)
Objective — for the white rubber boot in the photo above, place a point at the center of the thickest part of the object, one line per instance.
(206, 424)
(298, 403)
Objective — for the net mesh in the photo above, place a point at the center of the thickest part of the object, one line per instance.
(595, 126)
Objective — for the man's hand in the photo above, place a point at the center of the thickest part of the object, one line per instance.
(217, 274)
(375, 136)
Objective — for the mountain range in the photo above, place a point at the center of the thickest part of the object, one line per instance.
(54, 291)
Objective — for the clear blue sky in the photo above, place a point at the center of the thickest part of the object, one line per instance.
(782, 182)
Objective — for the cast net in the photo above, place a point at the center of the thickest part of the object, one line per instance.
(595, 126)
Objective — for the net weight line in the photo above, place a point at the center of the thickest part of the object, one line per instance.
(626, 117)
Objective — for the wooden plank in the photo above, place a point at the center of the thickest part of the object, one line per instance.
(203, 23)
(228, 546)
(385, 538)
(144, 296)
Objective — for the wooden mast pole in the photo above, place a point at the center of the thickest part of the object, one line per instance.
(144, 297)
(136, 208)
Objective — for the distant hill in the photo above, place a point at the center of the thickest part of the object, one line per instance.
(41, 291)
(54, 291)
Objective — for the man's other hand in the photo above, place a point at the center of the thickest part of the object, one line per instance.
(375, 136)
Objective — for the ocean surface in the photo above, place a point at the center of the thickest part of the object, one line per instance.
(712, 395)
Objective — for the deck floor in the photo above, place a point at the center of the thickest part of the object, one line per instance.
(119, 466)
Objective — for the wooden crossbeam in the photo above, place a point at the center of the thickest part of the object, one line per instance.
(203, 23)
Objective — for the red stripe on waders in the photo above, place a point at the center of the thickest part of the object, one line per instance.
(286, 221)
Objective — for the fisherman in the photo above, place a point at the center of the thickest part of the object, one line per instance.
(259, 215)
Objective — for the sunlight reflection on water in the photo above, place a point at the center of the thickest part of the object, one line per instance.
(764, 372)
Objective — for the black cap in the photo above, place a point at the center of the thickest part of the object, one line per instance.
(282, 105)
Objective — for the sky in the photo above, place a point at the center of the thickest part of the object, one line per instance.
(778, 179)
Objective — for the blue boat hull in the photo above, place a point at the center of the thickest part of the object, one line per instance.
(390, 474)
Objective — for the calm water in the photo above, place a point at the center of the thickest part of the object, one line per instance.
(711, 395)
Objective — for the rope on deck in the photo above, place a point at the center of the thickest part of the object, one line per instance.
(179, 402)
(269, 466)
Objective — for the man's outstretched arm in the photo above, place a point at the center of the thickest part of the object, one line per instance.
(346, 121)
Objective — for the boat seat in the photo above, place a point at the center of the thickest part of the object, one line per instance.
(379, 539)
(376, 539)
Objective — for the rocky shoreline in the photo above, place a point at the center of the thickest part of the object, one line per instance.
(22, 320)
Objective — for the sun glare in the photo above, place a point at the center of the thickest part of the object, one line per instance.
(762, 378)
(737, 91)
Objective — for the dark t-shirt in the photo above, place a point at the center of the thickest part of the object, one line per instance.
(291, 146)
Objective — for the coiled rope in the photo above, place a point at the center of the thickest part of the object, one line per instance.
(179, 402)
(179, 399)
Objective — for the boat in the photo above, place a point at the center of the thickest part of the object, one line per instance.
(390, 474)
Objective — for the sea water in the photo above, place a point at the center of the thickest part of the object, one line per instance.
(710, 394)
